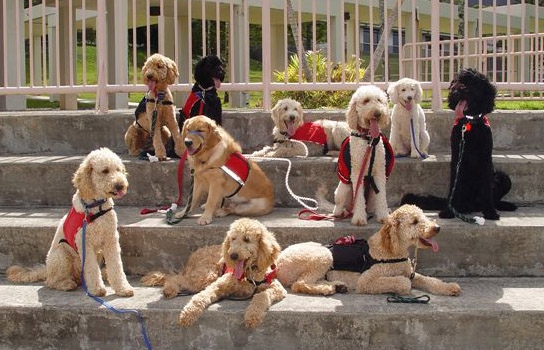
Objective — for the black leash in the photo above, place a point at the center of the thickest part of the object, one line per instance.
(422, 299)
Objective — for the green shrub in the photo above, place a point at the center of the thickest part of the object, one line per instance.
(318, 99)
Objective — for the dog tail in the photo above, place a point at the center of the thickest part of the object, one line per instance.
(19, 274)
(154, 279)
(425, 202)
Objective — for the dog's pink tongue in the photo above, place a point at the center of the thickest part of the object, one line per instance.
(290, 128)
(408, 105)
(374, 129)
(460, 108)
(239, 270)
(432, 243)
(151, 84)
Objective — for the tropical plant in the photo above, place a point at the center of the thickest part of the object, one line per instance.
(323, 67)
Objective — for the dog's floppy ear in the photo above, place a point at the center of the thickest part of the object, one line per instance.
(275, 112)
(389, 235)
(214, 134)
(269, 249)
(351, 113)
(225, 246)
(172, 71)
(82, 179)
(392, 92)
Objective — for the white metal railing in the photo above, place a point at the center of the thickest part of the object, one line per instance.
(67, 49)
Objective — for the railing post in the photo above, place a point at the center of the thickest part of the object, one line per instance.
(267, 71)
(102, 52)
(435, 56)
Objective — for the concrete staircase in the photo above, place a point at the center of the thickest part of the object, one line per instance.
(500, 266)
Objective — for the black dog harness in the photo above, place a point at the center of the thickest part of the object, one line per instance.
(355, 256)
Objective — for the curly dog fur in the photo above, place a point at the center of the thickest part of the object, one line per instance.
(209, 148)
(479, 187)
(101, 175)
(367, 112)
(203, 267)
(249, 253)
(158, 73)
(308, 267)
(288, 118)
(407, 113)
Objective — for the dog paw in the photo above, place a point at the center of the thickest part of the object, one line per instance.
(492, 215)
(100, 292)
(253, 319)
(204, 220)
(446, 214)
(358, 221)
(125, 292)
(452, 289)
(186, 319)
(170, 292)
(341, 288)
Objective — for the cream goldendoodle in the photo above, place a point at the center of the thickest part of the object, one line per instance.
(293, 136)
(380, 265)
(409, 134)
(362, 166)
(100, 178)
(158, 73)
(249, 254)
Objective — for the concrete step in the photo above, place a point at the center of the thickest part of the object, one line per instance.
(491, 313)
(39, 180)
(512, 246)
(79, 132)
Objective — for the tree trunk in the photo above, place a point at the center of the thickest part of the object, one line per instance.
(298, 41)
(377, 56)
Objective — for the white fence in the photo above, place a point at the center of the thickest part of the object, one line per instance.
(70, 49)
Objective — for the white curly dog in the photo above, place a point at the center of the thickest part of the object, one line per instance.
(99, 178)
(409, 134)
(315, 138)
(367, 113)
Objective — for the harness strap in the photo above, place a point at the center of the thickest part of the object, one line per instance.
(75, 220)
(237, 167)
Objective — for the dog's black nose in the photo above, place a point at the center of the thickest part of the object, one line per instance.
(437, 228)
(149, 76)
(410, 98)
(292, 118)
(234, 256)
(188, 143)
(377, 114)
(119, 187)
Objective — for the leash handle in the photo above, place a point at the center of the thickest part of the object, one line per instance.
(422, 299)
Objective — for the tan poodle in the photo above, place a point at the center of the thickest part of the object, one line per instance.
(100, 178)
(409, 136)
(203, 267)
(315, 138)
(366, 115)
(249, 254)
(381, 265)
(231, 183)
(157, 73)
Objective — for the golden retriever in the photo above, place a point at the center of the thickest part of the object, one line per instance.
(157, 73)
(100, 178)
(312, 268)
(232, 183)
(249, 253)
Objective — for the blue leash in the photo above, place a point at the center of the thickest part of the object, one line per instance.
(102, 301)
(414, 139)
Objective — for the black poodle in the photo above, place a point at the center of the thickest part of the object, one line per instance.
(203, 100)
(474, 184)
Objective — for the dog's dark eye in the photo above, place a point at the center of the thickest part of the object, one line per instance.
(106, 171)
(415, 221)
(285, 108)
(246, 239)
